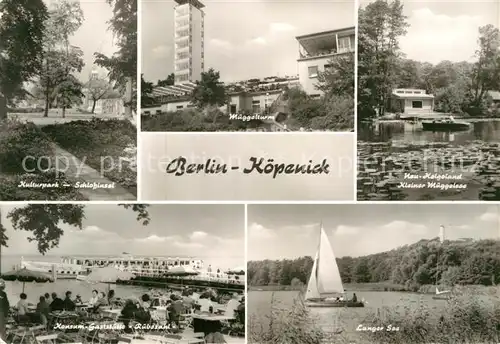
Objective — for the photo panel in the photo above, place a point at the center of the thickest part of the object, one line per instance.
(283, 66)
(68, 100)
(250, 167)
(123, 274)
(428, 101)
(388, 276)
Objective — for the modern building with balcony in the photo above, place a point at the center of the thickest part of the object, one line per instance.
(189, 41)
(316, 52)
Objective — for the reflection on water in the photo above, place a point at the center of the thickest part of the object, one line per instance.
(488, 131)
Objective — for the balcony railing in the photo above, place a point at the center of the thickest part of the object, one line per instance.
(304, 55)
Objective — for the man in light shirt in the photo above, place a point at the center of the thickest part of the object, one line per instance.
(232, 306)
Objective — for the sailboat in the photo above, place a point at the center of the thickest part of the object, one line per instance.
(440, 295)
(325, 280)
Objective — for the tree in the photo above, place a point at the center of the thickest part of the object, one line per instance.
(146, 92)
(338, 78)
(209, 91)
(380, 24)
(69, 92)
(169, 81)
(44, 221)
(96, 89)
(60, 58)
(122, 66)
(486, 72)
(22, 27)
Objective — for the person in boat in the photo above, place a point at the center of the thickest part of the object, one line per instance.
(451, 119)
(354, 298)
(69, 305)
(342, 299)
(57, 304)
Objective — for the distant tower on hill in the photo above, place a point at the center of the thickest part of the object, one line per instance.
(441, 233)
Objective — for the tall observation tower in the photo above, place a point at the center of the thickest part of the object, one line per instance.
(189, 44)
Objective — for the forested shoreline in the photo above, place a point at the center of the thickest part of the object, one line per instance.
(427, 262)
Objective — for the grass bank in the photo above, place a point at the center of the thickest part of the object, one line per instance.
(17, 142)
(467, 317)
(293, 325)
(108, 146)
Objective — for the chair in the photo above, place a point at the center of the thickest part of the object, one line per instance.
(27, 333)
(47, 339)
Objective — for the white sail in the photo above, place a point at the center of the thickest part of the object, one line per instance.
(438, 292)
(328, 276)
(312, 286)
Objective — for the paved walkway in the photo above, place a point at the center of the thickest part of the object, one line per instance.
(78, 172)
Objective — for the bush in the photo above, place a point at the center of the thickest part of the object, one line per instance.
(467, 317)
(25, 110)
(10, 190)
(195, 120)
(20, 140)
(294, 325)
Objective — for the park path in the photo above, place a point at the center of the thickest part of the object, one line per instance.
(76, 171)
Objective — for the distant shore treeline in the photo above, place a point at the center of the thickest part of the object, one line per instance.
(426, 262)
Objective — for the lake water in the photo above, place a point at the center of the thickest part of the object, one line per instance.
(333, 319)
(488, 131)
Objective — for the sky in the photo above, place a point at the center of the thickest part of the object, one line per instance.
(446, 29)
(292, 231)
(214, 233)
(243, 39)
(94, 34)
(236, 150)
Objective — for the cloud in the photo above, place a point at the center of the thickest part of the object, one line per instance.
(198, 235)
(161, 51)
(260, 232)
(152, 238)
(258, 40)
(490, 216)
(346, 230)
(281, 27)
(219, 43)
(409, 227)
(437, 37)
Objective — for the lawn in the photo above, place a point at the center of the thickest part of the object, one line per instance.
(108, 146)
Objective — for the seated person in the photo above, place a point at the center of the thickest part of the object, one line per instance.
(204, 304)
(175, 310)
(43, 310)
(78, 300)
(232, 306)
(57, 304)
(112, 300)
(94, 298)
(146, 301)
(22, 309)
(101, 302)
(69, 305)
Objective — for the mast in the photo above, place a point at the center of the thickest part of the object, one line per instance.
(441, 240)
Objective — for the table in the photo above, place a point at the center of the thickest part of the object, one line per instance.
(208, 323)
(153, 339)
(112, 313)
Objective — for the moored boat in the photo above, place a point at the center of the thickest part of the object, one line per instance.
(445, 125)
